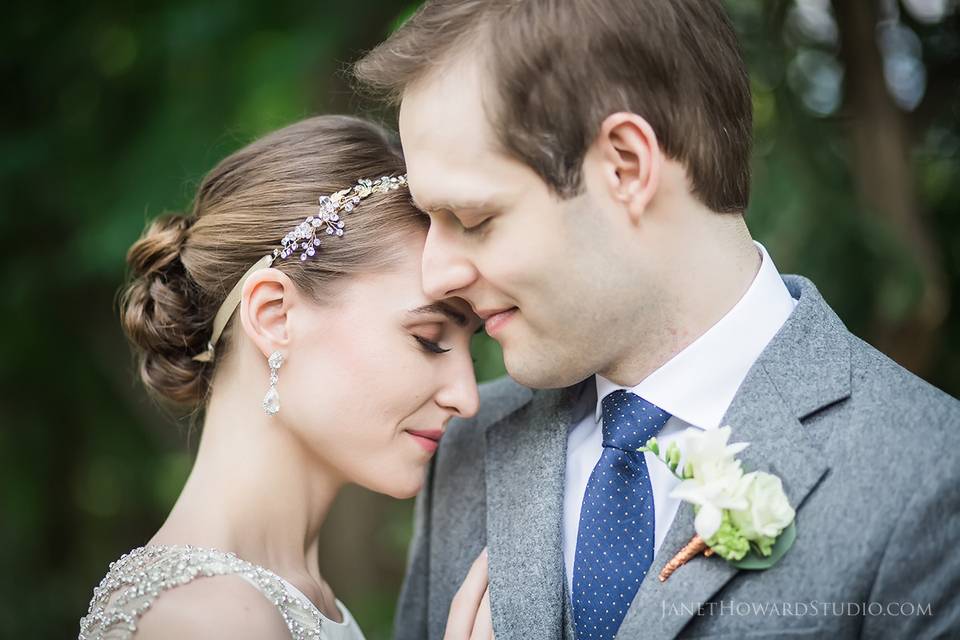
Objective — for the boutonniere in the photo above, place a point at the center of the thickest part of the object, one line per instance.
(745, 518)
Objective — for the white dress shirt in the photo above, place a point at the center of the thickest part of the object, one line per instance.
(695, 387)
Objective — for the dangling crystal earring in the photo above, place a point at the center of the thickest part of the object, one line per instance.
(271, 401)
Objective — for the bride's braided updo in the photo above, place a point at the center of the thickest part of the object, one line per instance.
(183, 266)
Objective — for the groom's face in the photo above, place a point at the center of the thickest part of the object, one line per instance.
(536, 268)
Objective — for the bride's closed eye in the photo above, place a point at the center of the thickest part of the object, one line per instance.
(436, 321)
(429, 345)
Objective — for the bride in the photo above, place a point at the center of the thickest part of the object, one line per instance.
(287, 306)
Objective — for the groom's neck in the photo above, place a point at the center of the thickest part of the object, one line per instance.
(707, 270)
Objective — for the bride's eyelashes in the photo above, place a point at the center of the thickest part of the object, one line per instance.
(429, 345)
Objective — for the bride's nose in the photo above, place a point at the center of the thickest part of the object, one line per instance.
(459, 394)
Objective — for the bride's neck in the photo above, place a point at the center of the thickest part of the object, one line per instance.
(254, 490)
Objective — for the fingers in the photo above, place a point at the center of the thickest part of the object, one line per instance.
(466, 603)
(483, 623)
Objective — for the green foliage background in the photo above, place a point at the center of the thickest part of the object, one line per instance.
(115, 110)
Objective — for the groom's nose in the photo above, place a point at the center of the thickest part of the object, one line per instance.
(446, 269)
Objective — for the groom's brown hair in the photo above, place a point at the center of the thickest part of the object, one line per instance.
(560, 67)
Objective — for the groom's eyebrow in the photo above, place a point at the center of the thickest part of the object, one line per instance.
(442, 308)
(463, 205)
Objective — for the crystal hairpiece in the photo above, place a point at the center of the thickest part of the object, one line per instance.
(304, 238)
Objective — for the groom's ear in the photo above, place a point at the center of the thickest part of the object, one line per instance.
(265, 303)
(631, 160)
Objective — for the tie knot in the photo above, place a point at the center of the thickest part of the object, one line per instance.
(629, 420)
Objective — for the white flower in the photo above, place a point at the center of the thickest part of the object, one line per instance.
(717, 482)
(768, 512)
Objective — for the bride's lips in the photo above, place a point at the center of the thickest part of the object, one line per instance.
(428, 439)
(495, 320)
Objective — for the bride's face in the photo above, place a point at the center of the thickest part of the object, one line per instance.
(370, 382)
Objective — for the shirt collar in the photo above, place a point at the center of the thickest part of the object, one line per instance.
(698, 384)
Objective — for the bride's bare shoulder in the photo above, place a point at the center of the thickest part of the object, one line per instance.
(213, 607)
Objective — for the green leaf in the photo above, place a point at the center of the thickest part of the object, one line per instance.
(754, 561)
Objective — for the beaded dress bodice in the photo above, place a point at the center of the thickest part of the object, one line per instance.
(138, 578)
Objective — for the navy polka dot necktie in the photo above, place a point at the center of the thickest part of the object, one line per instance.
(615, 540)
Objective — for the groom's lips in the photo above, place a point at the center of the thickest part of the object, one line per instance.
(428, 439)
(495, 319)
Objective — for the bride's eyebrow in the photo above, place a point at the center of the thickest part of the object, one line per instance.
(442, 308)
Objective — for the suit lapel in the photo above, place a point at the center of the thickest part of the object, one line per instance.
(525, 461)
(805, 367)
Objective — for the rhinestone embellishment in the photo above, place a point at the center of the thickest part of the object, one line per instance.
(138, 578)
(305, 238)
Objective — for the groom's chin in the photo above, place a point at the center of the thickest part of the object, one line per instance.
(535, 369)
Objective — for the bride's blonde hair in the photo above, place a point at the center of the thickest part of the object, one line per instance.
(183, 266)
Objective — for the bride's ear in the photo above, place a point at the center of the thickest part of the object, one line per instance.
(264, 306)
(631, 161)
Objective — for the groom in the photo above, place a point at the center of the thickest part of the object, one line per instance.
(586, 165)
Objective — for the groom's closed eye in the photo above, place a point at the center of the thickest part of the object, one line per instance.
(473, 223)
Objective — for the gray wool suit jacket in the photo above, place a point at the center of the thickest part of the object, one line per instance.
(869, 455)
